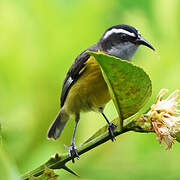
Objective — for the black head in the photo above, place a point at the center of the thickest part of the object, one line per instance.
(122, 41)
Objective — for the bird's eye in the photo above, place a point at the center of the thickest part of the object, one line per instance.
(124, 37)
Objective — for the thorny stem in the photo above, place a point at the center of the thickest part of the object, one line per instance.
(134, 123)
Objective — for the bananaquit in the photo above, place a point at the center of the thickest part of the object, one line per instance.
(84, 88)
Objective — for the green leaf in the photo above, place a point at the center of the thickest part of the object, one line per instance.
(130, 87)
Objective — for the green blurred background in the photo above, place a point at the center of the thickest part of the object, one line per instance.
(39, 39)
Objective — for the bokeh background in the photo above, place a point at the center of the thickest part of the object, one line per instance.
(38, 42)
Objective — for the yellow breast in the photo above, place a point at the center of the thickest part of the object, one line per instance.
(89, 92)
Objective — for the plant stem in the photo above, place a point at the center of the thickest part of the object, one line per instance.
(59, 161)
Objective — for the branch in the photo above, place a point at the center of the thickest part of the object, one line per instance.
(134, 123)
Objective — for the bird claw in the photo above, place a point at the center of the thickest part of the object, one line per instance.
(73, 153)
(111, 128)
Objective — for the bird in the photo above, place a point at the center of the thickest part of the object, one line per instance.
(84, 88)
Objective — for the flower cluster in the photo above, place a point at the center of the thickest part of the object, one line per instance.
(165, 118)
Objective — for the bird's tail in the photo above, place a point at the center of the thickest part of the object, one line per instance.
(58, 125)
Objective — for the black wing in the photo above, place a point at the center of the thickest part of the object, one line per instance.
(75, 71)
(73, 74)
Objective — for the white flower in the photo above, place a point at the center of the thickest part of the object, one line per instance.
(168, 105)
(164, 117)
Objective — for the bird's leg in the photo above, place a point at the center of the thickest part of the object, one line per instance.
(72, 150)
(111, 126)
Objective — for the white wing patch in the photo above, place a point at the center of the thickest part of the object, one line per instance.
(108, 33)
(70, 80)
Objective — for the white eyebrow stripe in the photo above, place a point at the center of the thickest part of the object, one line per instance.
(108, 33)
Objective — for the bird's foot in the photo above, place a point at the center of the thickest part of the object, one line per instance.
(111, 128)
(73, 152)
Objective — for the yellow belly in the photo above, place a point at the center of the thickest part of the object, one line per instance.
(89, 92)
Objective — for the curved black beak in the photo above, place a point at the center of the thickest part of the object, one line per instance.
(141, 41)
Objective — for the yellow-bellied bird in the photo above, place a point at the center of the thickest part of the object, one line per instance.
(84, 88)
